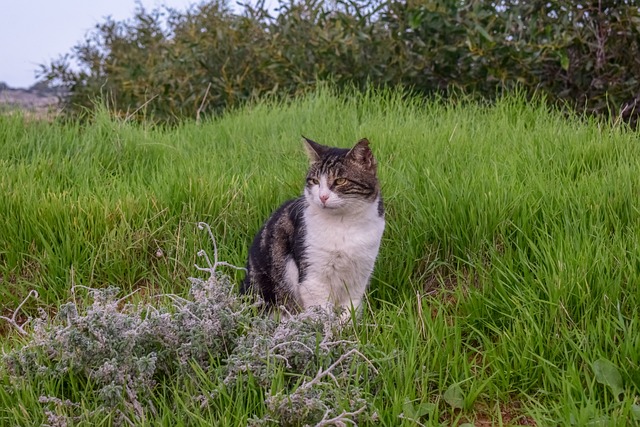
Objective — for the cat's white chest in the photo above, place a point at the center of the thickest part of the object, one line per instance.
(341, 253)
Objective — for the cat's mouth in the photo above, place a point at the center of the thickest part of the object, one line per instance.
(330, 206)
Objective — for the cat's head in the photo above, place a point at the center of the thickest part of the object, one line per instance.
(341, 179)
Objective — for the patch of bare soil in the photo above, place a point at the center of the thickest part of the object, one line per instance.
(508, 414)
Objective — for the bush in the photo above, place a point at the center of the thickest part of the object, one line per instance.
(207, 59)
(122, 351)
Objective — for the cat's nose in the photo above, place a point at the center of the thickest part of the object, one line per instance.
(324, 198)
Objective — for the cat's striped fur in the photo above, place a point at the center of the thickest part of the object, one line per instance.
(320, 248)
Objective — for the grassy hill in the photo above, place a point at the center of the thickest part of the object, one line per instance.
(506, 289)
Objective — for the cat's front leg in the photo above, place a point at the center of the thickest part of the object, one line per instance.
(314, 293)
(318, 294)
(352, 308)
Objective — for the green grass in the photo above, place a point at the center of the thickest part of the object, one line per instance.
(510, 262)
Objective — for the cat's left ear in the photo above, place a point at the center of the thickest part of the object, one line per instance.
(362, 155)
(314, 150)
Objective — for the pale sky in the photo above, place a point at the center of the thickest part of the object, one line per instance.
(34, 32)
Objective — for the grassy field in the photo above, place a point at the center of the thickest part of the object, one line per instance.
(507, 287)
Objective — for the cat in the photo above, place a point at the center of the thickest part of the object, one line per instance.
(320, 249)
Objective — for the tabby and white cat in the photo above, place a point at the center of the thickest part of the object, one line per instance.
(320, 249)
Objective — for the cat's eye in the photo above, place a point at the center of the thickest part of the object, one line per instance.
(340, 181)
(312, 181)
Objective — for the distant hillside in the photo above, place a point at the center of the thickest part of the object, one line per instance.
(38, 99)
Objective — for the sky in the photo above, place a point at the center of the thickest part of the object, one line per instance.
(34, 32)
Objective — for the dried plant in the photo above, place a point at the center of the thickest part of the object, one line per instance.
(125, 349)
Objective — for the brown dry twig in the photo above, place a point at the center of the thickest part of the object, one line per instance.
(12, 320)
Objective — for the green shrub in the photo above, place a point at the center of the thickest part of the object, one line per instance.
(209, 58)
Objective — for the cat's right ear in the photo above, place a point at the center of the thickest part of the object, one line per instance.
(314, 150)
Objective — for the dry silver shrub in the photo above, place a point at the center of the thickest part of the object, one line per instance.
(124, 349)
(297, 345)
(317, 406)
(316, 355)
